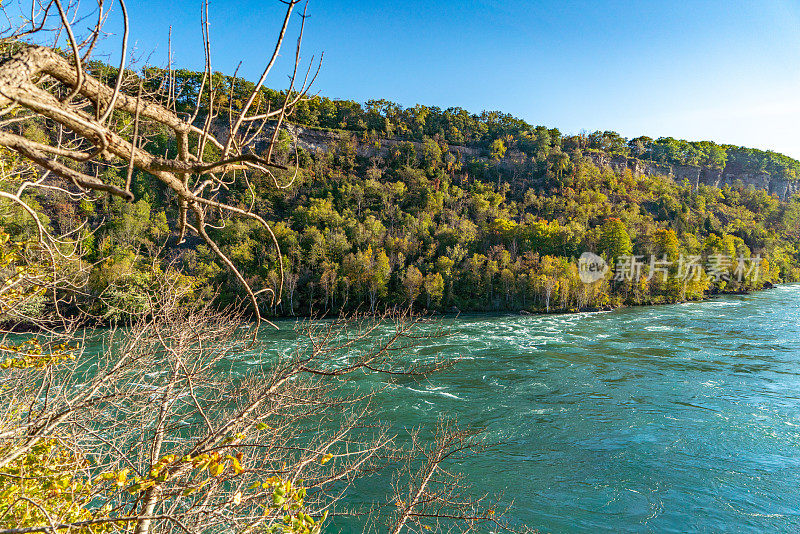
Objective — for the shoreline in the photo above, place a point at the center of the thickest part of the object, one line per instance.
(27, 328)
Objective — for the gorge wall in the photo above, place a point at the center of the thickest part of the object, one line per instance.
(783, 188)
(318, 140)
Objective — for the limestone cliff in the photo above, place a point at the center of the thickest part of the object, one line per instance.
(783, 188)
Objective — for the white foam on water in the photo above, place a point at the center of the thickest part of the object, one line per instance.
(434, 391)
(721, 303)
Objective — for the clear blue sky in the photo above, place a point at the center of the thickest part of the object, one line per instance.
(722, 70)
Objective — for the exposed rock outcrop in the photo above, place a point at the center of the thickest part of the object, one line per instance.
(782, 187)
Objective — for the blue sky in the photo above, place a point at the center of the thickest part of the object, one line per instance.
(727, 71)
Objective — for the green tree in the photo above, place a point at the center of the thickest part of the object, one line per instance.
(497, 150)
(379, 271)
(412, 283)
(614, 239)
(434, 289)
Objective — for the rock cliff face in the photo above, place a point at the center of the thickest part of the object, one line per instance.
(781, 187)
(315, 140)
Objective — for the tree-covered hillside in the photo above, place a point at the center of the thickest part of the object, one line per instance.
(366, 226)
(413, 227)
(493, 131)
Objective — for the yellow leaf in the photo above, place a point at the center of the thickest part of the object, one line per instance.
(237, 467)
(216, 469)
(325, 458)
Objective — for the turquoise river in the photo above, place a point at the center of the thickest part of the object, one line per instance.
(682, 418)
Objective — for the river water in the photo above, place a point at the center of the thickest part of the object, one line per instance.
(682, 418)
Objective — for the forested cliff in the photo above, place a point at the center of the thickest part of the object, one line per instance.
(443, 209)
(738, 172)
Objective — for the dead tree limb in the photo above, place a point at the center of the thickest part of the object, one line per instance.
(42, 82)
